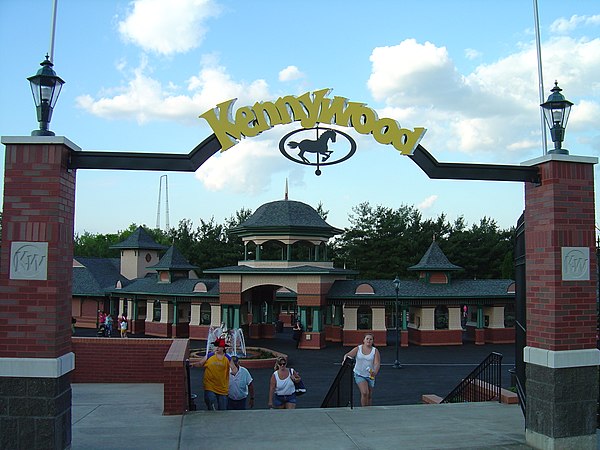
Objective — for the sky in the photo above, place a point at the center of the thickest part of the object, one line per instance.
(140, 73)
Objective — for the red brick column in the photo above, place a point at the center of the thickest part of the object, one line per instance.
(561, 354)
(35, 293)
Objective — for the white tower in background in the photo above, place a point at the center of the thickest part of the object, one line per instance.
(160, 184)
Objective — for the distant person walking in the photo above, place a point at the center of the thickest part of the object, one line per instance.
(123, 326)
(241, 387)
(297, 332)
(282, 390)
(108, 325)
(216, 376)
(366, 368)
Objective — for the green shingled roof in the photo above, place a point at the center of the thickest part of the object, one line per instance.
(139, 239)
(96, 276)
(184, 287)
(286, 216)
(434, 259)
(173, 260)
(467, 289)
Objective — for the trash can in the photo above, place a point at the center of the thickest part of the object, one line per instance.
(279, 326)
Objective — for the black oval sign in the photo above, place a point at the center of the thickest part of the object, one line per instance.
(316, 152)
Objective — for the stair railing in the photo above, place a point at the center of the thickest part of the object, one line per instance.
(341, 391)
(483, 384)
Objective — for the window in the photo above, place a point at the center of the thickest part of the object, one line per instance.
(441, 318)
(156, 310)
(509, 316)
(141, 310)
(364, 318)
(205, 314)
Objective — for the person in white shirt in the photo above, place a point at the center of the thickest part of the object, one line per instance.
(366, 368)
(241, 388)
(282, 390)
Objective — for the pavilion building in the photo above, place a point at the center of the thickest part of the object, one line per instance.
(286, 275)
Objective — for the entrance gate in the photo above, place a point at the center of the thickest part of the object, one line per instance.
(520, 310)
(38, 220)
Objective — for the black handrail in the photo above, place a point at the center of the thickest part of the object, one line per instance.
(191, 397)
(341, 392)
(482, 384)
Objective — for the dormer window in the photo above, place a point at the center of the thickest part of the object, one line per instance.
(364, 289)
(163, 277)
(200, 287)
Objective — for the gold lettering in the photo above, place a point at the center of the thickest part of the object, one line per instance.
(363, 118)
(245, 121)
(385, 130)
(267, 116)
(219, 119)
(290, 109)
(335, 108)
(309, 109)
(312, 104)
(406, 141)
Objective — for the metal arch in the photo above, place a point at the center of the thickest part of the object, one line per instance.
(466, 171)
(146, 161)
(199, 155)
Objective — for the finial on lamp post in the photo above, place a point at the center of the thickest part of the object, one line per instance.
(45, 87)
(556, 112)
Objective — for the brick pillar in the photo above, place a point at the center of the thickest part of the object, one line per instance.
(561, 354)
(35, 293)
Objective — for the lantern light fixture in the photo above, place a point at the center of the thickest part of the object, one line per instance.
(45, 87)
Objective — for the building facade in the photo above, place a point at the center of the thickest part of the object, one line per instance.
(286, 275)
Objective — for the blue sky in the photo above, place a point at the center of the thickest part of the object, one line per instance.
(139, 73)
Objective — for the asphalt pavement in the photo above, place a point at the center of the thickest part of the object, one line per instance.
(425, 370)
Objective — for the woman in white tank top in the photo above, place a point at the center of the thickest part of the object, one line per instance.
(366, 368)
(282, 391)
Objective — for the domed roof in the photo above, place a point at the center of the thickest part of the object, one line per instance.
(286, 216)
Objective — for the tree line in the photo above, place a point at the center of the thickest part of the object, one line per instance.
(381, 242)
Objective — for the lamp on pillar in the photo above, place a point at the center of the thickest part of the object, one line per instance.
(556, 112)
(45, 87)
(397, 288)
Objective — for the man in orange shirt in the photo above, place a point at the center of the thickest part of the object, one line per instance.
(216, 376)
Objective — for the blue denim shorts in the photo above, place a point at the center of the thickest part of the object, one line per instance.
(360, 379)
(280, 400)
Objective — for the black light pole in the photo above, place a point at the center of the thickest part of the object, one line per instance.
(45, 87)
(397, 287)
(556, 112)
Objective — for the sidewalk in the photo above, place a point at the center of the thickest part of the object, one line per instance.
(118, 416)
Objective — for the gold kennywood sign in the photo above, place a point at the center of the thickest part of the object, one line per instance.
(309, 109)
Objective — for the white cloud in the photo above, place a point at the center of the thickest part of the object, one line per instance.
(494, 109)
(471, 53)
(167, 27)
(245, 168)
(290, 73)
(144, 98)
(427, 203)
(564, 26)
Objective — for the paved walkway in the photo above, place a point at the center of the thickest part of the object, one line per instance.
(129, 416)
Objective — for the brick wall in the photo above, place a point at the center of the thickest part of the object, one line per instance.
(115, 360)
(560, 213)
(103, 360)
(435, 337)
(39, 202)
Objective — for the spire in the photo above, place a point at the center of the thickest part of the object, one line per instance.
(286, 189)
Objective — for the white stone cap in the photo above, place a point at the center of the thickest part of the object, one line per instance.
(560, 157)
(37, 367)
(12, 140)
(561, 359)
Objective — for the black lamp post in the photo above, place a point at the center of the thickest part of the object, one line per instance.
(397, 288)
(556, 113)
(45, 87)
